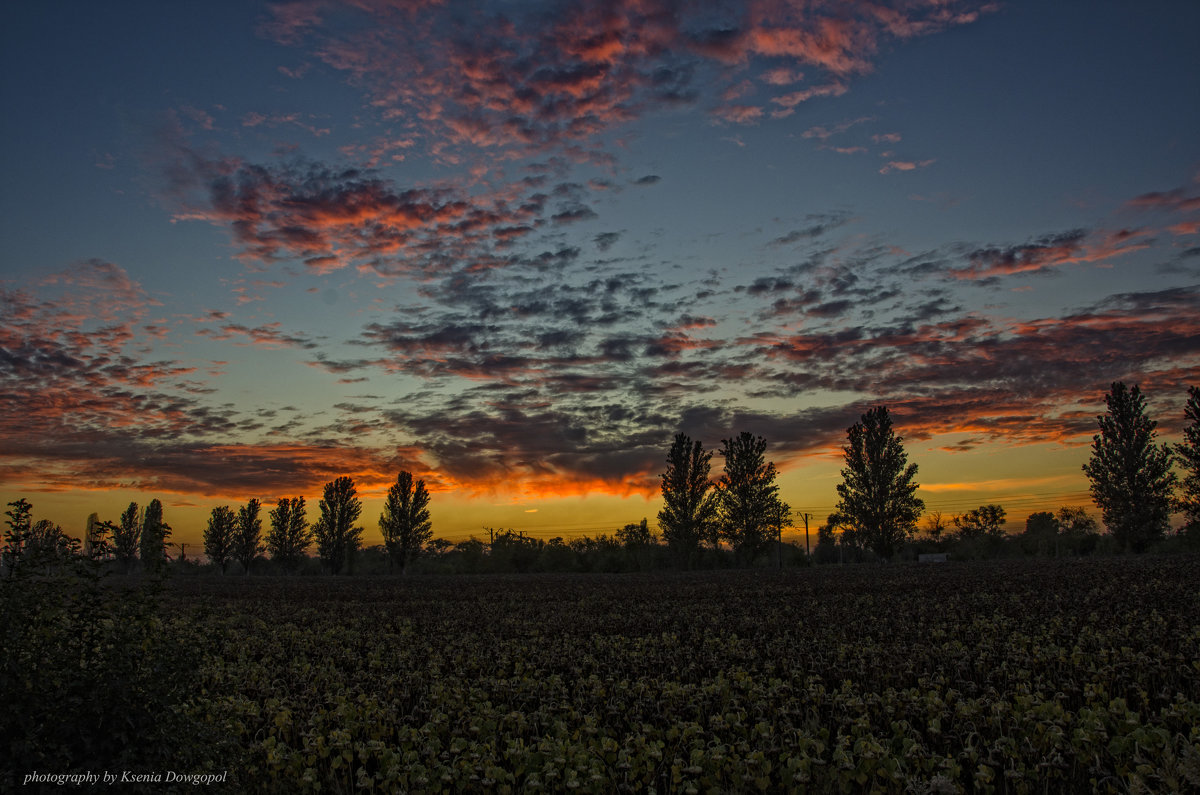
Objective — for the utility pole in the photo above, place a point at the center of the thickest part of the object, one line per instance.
(807, 516)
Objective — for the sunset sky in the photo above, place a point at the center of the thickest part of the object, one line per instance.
(515, 247)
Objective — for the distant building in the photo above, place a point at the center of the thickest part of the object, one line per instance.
(933, 557)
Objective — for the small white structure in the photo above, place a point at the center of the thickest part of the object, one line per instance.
(933, 557)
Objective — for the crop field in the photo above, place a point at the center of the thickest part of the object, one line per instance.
(1007, 677)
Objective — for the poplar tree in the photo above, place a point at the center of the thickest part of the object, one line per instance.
(218, 536)
(290, 536)
(153, 540)
(751, 513)
(16, 537)
(689, 513)
(1188, 453)
(247, 534)
(337, 537)
(127, 536)
(1131, 475)
(877, 495)
(95, 543)
(405, 521)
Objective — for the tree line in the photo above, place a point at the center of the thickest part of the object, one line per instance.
(740, 514)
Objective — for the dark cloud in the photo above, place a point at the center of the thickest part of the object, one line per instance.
(572, 214)
(605, 240)
(1043, 254)
(821, 224)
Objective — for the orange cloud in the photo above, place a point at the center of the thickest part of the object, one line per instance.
(1050, 252)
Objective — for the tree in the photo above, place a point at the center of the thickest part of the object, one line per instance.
(127, 537)
(1131, 475)
(1188, 502)
(16, 537)
(153, 540)
(337, 537)
(635, 536)
(34, 547)
(935, 525)
(1076, 530)
(751, 513)
(1041, 524)
(95, 538)
(689, 512)
(828, 550)
(218, 537)
(877, 494)
(247, 534)
(1041, 533)
(290, 536)
(405, 521)
(985, 521)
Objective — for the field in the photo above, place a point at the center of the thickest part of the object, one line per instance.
(1006, 677)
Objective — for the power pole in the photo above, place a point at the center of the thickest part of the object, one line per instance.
(807, 516)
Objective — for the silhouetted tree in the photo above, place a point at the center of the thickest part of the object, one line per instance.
(337, 537)
(1077, 531)
(91, 535)
(31, 547)
(218, 536)
(985, 521)
(935, 525)
(153, 540)
(1131, 475)
(1041, 533)
(638, 544)
(247, 534)
(1188, 502)
(877, 494)
(827, 544)
(1041, 524)
(95, 538)
(48, 549)
(405, 521)
(290, 536)
(127, 537)
(751, 513)
(689, 513)
(635, 536)
(16, 537)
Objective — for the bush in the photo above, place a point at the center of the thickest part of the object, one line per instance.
(97, 678)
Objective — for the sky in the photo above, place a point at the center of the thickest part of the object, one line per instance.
(514, 248)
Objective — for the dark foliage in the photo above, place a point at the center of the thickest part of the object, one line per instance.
(219, 536)
(1188, 454)
(877, 495)
(405, 521)
(153, 540)
(750, 512)
(688, 518)
(1131, 478)
(247, 535)
(290, 536)
(95, 676)
(127, 537)
(336, 535)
